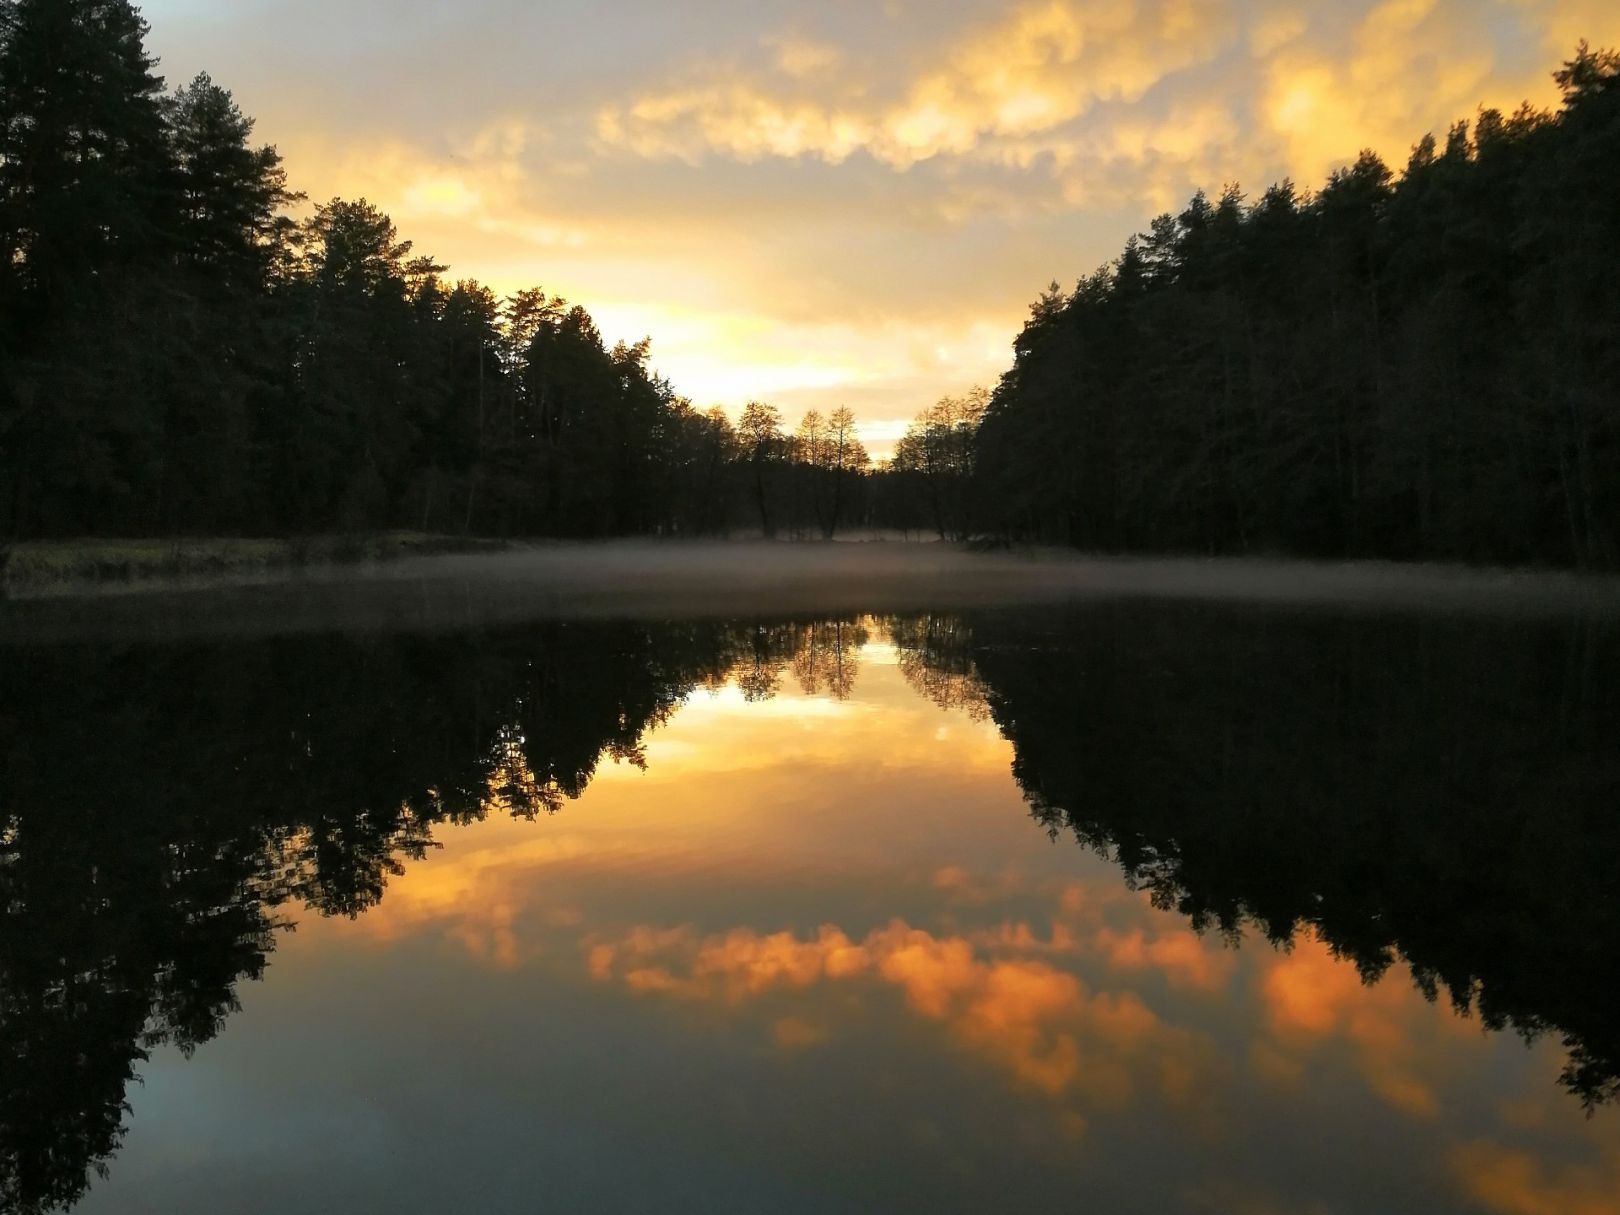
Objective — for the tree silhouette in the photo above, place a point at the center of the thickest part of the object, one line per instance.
(1408, 365)
(759, 431)
(180, 355)
(164, 810)
(1437, 791)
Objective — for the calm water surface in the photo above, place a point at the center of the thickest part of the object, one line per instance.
(1123, 906)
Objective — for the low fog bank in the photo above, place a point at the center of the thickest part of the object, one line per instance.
(710, 578)
(668, 579)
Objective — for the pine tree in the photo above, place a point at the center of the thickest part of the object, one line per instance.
(232, 195)
(87, 234)
(85, 176)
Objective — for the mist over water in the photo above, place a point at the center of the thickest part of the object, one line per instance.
(704, 579)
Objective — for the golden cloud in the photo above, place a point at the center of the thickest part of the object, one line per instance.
(1413, 65)
(1041, 66)
(1039, 1023)
(1311, 995)
(1297, 91)
(801, 57)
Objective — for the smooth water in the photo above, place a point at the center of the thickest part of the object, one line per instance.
(1125, 905)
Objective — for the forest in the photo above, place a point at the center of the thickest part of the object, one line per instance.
(182, 354)
(1414, 365)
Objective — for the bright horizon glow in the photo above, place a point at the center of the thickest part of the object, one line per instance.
(851, 204)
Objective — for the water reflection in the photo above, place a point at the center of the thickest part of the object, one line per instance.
(1437, 792)
(1427, 797)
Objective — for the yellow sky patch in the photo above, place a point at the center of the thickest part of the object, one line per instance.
(855, 208)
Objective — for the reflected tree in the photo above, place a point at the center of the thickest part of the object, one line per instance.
(1439, 792)
(936, 658)
(165, 809)
(826, 657)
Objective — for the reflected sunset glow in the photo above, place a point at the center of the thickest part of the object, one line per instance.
(923, 909)
(763, 879)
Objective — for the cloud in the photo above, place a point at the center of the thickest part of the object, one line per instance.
(1561, 23)
(1127, 102)
(1041, 1024)
(799, 1033)
(1310, 995)
(1510, 1181)
(1037, 68)
(802, 57)
(1410, 66)
(1186, 959)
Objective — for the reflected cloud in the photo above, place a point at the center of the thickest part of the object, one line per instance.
(1043, 1025)
(1311, 995)
(1510, 1181)
(1185, 958)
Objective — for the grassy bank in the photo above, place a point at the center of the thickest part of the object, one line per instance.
(56, 567)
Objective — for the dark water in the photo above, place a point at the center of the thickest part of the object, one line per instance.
(1122, 906)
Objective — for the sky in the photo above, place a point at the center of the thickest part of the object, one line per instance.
(845, 203)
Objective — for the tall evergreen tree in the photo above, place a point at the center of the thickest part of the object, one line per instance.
(86, 233)
(85, 172)
(233, 196)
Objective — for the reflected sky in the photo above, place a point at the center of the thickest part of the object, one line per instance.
(807, 952)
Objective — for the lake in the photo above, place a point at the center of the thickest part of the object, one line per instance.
(426, 896)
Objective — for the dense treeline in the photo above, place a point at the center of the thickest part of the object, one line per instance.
(932, 483)
(179, 354)
(1412, 365)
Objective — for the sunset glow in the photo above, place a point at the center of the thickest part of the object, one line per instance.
(850, 204)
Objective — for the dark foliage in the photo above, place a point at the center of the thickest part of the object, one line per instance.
(179, 356)
(1438, 792)
(1419, 365)
(166, 810)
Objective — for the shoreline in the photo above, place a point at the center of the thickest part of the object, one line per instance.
(425, 583)
(51, 569)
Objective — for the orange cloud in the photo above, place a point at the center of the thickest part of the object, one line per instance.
(799, 1033)
(1513, 1182)
(1185, 958)
(1311, 994)
(1040, 1024)
(1310, 991)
